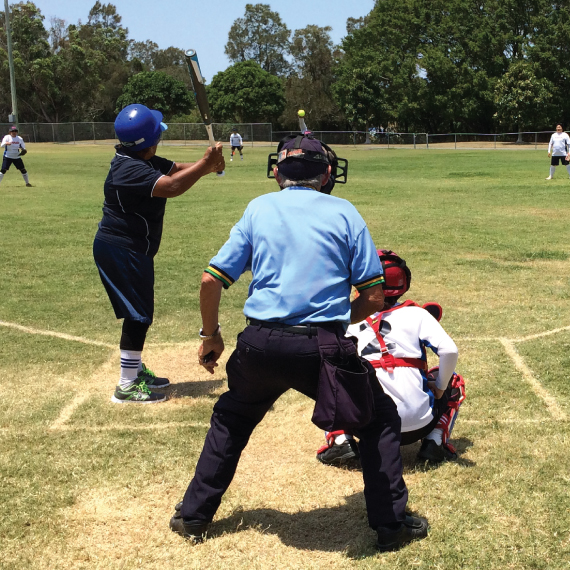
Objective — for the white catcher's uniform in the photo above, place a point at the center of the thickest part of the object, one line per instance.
(12, 150)
(559, 144)
(407, 331)
(236, 140)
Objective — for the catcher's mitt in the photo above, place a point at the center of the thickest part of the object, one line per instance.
(23, 151)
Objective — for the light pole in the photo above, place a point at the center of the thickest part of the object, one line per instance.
(13, 118)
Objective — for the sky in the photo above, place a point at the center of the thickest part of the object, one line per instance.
(204, 25)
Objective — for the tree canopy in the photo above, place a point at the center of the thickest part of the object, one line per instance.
(157, 90)
(246, 93)
(260, 36)
(76, 72)
(456, 65)
(410, 65)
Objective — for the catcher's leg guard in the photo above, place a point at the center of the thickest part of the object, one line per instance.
(446, 421)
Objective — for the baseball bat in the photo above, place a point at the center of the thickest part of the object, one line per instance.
(302, 125)
(200, 94)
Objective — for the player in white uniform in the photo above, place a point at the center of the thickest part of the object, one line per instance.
(394, 342)
(14, 149)
(559, 149)
(236, 143)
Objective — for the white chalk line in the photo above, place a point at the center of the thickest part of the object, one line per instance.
(551, 404)
(508, 344)
(129, 427)
(69, 410)
(55, 334)
(112, 427)
(202, 425)
(83, 340)
(542, 334)
(64, 336)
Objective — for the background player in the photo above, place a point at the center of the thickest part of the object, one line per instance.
(136, 189)
(14, 149)
(394, 342)
(559, 149)
(236, 143)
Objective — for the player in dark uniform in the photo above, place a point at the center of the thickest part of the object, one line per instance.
(136, 189)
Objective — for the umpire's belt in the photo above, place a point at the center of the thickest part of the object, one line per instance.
(307, 330)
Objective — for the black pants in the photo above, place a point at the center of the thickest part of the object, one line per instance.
(17, 162)
(439, 408)
(265, 364)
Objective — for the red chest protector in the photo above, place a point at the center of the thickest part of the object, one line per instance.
(387, 361)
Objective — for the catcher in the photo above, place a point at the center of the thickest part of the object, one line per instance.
(394, 341)
(14, 149)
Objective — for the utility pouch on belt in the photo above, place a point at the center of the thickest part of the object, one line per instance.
(344, 398)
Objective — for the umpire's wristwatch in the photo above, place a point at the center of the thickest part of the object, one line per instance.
(217, 332)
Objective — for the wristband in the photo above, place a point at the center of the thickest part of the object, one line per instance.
(217, 332)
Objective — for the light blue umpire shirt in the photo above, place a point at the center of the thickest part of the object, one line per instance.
(305, 249)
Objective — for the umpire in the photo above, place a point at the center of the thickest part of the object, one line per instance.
(305, 250)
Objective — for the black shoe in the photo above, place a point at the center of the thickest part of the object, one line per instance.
(151, 379)
(195, 531)
(138, 393)
(341, 454)
(413, 528)
(430, 451)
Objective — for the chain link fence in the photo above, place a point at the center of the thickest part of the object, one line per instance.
(177, 133)
(262, 134)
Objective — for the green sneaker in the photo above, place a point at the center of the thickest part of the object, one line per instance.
(138, 393)
(151, 379)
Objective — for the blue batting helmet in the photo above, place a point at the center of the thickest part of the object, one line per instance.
(138, 127)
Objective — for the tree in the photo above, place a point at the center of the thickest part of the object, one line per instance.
(245, 93)
(309, 86)
(52, 83)
(377, 78)
(523, 99)
(159, 91)
(105, 34)
(260, 36)
(143, 52)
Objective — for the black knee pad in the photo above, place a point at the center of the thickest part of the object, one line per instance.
(3, 171)
(24, 171)
(134, 335)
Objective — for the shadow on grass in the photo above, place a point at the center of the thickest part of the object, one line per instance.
(195, 389)
(310, 530)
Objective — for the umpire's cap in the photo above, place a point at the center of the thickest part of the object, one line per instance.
(301, 158)
(139, 127)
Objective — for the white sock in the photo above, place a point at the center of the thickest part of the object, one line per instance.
(552, 168)
(130, 362)
(26, 178)
(568, 169)
(339, 439)
(1, 176)
(436, 435)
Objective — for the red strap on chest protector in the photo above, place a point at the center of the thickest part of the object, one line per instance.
(387, 361)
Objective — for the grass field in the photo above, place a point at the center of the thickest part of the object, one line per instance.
(89, 484)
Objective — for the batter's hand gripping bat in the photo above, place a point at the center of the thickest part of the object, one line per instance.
(200, 94)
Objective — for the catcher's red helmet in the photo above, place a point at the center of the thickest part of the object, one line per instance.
(397, 275)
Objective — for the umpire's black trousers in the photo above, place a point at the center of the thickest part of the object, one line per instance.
(265, 364)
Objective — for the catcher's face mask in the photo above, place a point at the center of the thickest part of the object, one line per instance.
(301, 156)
